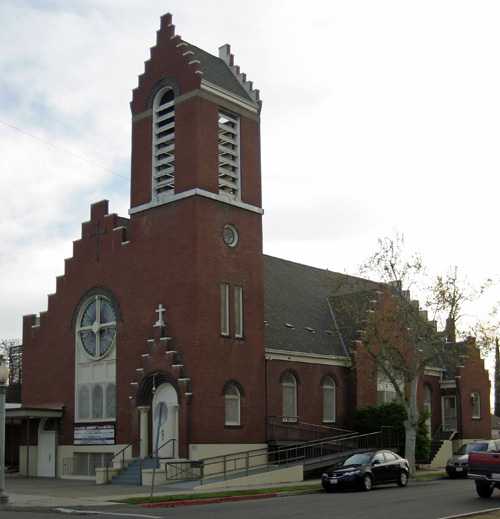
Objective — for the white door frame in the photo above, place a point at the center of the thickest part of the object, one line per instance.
(450, 420)
(46, 450)
(167, 394)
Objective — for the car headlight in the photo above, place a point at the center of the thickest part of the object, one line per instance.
(351, 473)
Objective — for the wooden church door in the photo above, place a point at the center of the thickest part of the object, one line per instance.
(164, 426)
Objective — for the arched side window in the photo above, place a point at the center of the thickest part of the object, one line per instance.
(329, 399)
(232, 400)
(427, 398)
(163, 144)
(289, 390)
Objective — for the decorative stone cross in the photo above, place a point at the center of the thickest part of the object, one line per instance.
(160, 313)
(96, 234)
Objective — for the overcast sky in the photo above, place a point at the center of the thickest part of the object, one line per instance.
(377, 116)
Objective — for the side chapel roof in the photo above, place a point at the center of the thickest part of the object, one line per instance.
(296, 308)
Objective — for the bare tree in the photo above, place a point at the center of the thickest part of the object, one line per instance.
(5, 345)
(396, 337)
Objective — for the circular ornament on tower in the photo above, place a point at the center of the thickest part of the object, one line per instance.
(230, 235)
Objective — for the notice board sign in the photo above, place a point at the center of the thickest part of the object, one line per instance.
(94, 434)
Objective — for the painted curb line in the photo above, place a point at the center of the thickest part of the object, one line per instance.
(208, 500)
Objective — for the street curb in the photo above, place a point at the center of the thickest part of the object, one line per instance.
(212, 500)
(209, 500)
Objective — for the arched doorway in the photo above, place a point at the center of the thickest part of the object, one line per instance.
(165, 421)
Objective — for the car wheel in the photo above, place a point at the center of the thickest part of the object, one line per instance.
(329, 489)
(403, 478)
(366, 482)
(453, 475)
(484, 489)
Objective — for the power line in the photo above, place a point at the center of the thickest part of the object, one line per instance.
(65, 151)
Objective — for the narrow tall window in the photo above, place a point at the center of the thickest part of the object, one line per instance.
(224, 309)
(238, 311)
(329, 400)
(232, 400)
(229, 154)
(163, 144)
(289, 388)
(476, 404)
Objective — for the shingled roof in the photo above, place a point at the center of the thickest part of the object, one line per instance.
(298, 316)
(216, 71)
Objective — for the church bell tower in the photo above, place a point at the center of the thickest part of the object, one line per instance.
(196, 209)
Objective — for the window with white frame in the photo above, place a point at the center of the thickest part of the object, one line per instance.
(163, 144)
(95, 384)
(475, 398)
(386, 392)
(232, 400)
(238, 311)
(229, 154)
(289, 391)
(329, 399)
(97, 327)
(224, 309)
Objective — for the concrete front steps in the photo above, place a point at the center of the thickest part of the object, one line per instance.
(131, 475)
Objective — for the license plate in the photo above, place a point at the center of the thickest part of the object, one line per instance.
(495, 476)
(333, 481)
(459, 469)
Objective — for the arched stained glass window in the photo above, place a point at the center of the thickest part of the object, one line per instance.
(84, 403)
(97, 402)
(97, 327)
(111, 401)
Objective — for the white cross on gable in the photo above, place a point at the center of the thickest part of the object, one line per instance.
(160, 313)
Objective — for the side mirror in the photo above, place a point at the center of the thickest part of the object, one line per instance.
(376, 462)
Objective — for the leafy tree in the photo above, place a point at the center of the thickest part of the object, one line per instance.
(371, 418)
(395, 339)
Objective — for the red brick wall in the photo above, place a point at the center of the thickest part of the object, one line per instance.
(473, 378)
(309, 391)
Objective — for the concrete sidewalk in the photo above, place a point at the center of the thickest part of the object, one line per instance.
(53, 492)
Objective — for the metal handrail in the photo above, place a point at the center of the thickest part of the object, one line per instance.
(241, 462)
(300, 431)
(440, 434)
(150, 455)
(122, 452)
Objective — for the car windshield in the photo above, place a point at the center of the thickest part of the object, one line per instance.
(472, 447)
(357, 459)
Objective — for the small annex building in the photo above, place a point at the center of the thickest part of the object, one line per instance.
(172, 325)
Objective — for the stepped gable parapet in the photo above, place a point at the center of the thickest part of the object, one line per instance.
(228, 58)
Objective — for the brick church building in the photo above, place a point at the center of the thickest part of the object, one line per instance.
(171, 328)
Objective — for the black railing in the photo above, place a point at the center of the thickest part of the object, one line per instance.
(152, 455)
(305, 453)
(289, 429)
(122, 452)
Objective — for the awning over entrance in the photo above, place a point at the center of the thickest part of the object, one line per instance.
(13, 413)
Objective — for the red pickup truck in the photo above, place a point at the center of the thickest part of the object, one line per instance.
(484, 469)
